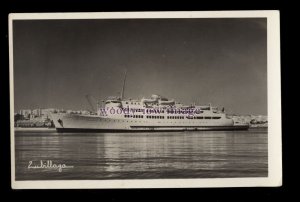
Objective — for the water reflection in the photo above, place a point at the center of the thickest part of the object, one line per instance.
(144, 155)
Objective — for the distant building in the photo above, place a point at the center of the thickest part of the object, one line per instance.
(37, 112)
(26, 113)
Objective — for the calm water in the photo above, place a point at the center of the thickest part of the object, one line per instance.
(142, 155)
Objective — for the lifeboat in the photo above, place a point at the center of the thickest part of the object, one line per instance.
(155, 97)
(148, 100)
(167, 102)
(113, 103)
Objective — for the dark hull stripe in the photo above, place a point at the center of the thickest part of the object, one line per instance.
(152, 129)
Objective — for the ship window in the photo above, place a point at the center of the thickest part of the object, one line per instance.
(142, 116)
(207, 117)
(200, 117)
(216, 117)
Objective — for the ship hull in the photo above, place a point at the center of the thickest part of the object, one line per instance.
(154, 129)
(71, 123)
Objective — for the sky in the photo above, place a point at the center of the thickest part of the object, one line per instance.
(219, 61)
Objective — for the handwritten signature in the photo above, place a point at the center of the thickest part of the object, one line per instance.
(48, 164)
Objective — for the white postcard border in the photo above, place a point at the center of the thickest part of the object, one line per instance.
(274, 106)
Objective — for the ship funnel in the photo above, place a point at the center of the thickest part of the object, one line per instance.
(123, 87)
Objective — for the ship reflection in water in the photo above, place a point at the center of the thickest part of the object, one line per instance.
(199, 154)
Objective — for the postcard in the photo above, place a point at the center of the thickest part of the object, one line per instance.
(145, 99)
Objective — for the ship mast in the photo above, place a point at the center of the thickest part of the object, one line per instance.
(123, 87)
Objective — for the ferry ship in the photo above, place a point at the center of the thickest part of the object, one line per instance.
(155, 114)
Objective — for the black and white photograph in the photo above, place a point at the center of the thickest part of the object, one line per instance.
(145, 99)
